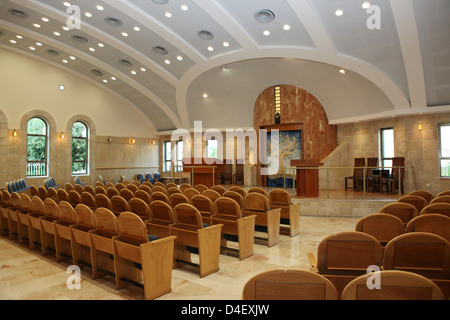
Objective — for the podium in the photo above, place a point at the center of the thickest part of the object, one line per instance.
(307, 179)
(203, 171)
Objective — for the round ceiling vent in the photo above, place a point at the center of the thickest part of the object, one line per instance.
(114, 22)
(79, 39)
(160, 1)
(264, 16)
(18, 13)
(160, 50)
(53, 52)
(125, 63)
(205, 35)
(97, 72)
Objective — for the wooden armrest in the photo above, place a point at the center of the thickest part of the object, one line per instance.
(312, 260)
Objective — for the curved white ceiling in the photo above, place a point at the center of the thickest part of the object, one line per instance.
(401, 68)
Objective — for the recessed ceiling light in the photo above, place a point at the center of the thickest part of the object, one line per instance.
(114, 22)
(287, 27)
(137, 29)
(125, 34)
(45, 19)
(179, 58)
(37, 25)
(18, 13)
(65, 28)
(13, 41)
(79, 39)
(65, 61)
(184, 7)
(52, 52)
(125, 63)
(91, 49)
(88, 14)
(210, 49)
(133, 72)
(167, 61)
(266, 32)
(32, 48)
(366, 5)
(168, 15)
(39, 44)
(72, 58)
(339, 12)
(105, 81)
(97, 72)
(101, 45)
(226, 44)
(113, 78)
(19, 36)
(143, 69)
(56, 33)
(99, 7)
(67, 4)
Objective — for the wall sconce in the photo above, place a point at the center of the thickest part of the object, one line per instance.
(14, 133)
(132, 141)
(61, 135)
(420, 127)
(152, 141)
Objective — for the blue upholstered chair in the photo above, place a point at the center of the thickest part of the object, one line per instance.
(78, 181)
(149, 177)
(157, 177)
(9, 187)
(140, 177)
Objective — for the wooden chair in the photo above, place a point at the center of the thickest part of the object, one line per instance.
(173, 190)
(433, 223)
(4, 218)
(402, 210)
(111, 192)
(119, 186)
(74, 198)
(190, 192)
(48, 227)
(161, 217)
(34, 222)
(394, 285)
(384, 227)
(43, 193)
(109, 185)
(15, 223)
(119, 205)
(370, 180)
(171, 185)
(267, 219)
(63, 235)
(68, 187)
(289, 284)
(238, 176)
(157, 195)
(443, 193)
(200, 188)
(236, 227)
(99, 184)
(132, 187)
(138, 261)
(78, 188)
(441, 199)
(396, 178)
(53, 194)
(159, 184)
(141, 194)
(226, 177)
(236, 197)
(102, 251)
(127, 194)
(190, 232)
(34, 191)
(145, 188)
(358, 173)
(178, 198)
(211, 194)
(185, 186)
(63, 195)
(140, 208)
(90, 189)
(423, 253)
(102, 201)
(158, 188)
(427, 195)
(259, 190)
(148, 184)
(343, 256)
(205, 206)
(221, 190)
(88, 199)
(416, 201)
(290, 213)
(81, 239)
(239, 190)
(438, 207)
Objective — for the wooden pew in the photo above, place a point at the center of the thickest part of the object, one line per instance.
(290, 213)
(161, 217)
(80, 237)
(48, 227)
(63, 235)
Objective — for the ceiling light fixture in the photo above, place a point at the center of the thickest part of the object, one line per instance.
(56, 33)
(287, 27)
(366, 5)
(210, 49)
(124, 34)
(133, 72)
(101, 45)
(167, 61)
(45, 19)
(65, 28)
(184, 7)
(67, 4)
(88, 14)
(65, 61)
(13, 41)
(39, 44)
(99, 8)
(205, 95)
(160, 1)
(339, 12)
(72, 58)
(160, 50)
(168, 15)
(143, 69)
(18, 13)
(226, 44)
(342, 71)
(32, 48)
(179, 58)
(264, 16)
(113, 78)
(37, 25)
(92, 49)
(266, 32)
(114, 22)
(137, 29)
(205, 35)
(19, 36)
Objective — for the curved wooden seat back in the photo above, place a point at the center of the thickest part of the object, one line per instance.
(78, 188)
(90, 189)
(106, 223)
(186, 215)
(74, 197)
(258, 190)
(119, 205)
(140, 208)
(202, 203)
(419, 252)
(178, 198)
(394, 285)
(84, 217)
(119, 186)
(161, 212)
(289, 284)
(256, 202)
(127, 194)
(43, 193)
(142, 194)
(68, 187)
(236, 197)
(38, 206)
(443, 198)
(147, 183)
(66, 212)
(427, 195)
(132, 187)
(433, 223)
(417, 201)
(348, 253)
(227, 207)
(384, 227)
(172, 190)
(171, 185)
(158, 195)
(16, 201)
(109, 185)
(111, 192)
(219, 189)
(185, 186)
(88, 199)
(132, 229)
(27, 204)
(190, 192)
(53, 194)
(51, 209)
(200, 188)
(211, 194)
(63, 195)
(159, 184)
(145, 188)
(279, 197)
(239, 190)
(438, 207)
(158, 188)
(443, 193)
(102, 201)
(405, 211)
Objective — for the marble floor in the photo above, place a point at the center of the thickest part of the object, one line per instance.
(27, 275)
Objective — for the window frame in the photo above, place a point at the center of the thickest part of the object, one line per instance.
(167, 162)
(46, 136)
(382, 155)
(440, 157)
(87, 138)
(207, 148)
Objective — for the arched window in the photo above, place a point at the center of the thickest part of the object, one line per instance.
(80, 148)
(37, 147)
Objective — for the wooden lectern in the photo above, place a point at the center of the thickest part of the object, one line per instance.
(203, 171)
(307, 179)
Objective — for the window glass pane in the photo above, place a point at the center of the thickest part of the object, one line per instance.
(79, 149)
(79, 167)
(387, 136)
(79, 130)
(36, 148)
(37, 126)
(211, 146)
(168, 154)
(445, 141)
(445, 168)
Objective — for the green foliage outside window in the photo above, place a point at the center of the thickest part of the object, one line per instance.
(79, 148)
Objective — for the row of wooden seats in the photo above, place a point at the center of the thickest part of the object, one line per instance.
(298, 284)
(116, 246)
(344, 256)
